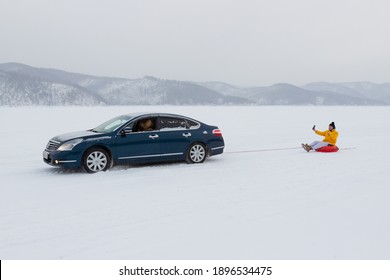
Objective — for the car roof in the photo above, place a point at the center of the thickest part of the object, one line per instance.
(140, 114)
(157, 114)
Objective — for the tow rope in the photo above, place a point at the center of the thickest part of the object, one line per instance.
(276, 149)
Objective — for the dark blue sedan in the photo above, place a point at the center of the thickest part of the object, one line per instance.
(135, 138)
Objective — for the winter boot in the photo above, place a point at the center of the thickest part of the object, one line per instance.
(308, 147)
(304, 146)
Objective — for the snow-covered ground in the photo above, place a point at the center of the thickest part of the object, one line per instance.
(281, 204)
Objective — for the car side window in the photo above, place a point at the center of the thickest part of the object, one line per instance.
(145, 124)
(128, 128)
(167, 123)
(192, 124)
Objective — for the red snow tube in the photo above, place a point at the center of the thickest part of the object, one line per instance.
(328, 149)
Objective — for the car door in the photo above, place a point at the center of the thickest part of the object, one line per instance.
(175, 137)
(136, 144)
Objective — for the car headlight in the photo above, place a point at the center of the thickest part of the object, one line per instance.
(68, 146)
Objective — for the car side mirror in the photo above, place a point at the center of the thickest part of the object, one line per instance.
(126, 131)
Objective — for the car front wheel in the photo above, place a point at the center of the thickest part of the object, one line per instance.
(96, 160)
(196, 153)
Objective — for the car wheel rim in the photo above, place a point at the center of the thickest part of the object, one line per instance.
(96, 161)
(197, 153)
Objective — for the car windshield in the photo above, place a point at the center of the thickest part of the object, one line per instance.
(112, 125)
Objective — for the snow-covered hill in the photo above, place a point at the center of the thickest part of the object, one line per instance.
(25, 85)
(154, 91)
(252, 202)
(370, 92)
(23, 90)
(310, 94)
(287, 94)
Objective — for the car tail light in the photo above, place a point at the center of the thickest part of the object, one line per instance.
(217, 132)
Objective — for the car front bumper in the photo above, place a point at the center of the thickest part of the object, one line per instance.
(66, 159)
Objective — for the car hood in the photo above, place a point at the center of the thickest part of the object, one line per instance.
(73, 135)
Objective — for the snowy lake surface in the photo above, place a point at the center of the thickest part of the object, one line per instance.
(276, 204)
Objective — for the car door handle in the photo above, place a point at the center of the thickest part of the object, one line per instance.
(187, 134)
(154, 136)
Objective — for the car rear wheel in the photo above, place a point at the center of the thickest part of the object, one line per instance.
(196, 153)
(96, 160)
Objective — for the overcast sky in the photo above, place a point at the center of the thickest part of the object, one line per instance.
(243, 42)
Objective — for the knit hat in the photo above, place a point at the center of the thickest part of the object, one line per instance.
(333, 125)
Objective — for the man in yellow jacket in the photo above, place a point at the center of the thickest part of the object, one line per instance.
(330, 138)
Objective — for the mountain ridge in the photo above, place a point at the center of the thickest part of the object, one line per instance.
(24, 85)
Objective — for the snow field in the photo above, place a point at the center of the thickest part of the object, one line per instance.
(286, 204)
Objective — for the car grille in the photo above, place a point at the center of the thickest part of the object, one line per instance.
(52, 145)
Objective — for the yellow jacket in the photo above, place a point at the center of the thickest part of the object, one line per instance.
(330, 136)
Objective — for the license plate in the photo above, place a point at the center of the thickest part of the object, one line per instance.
(45, 155)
